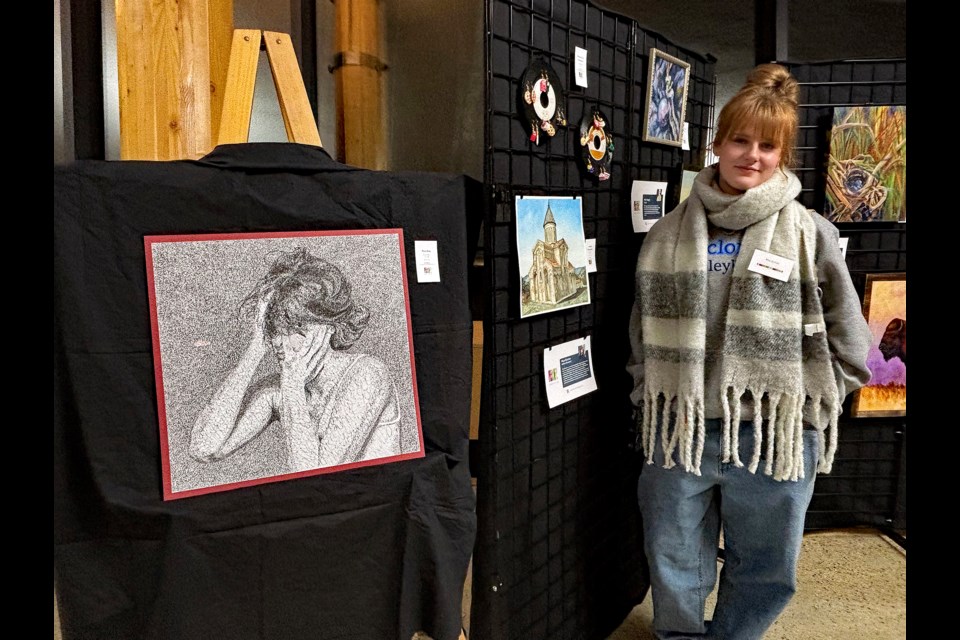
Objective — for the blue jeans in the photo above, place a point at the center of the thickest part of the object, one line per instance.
(762, 523)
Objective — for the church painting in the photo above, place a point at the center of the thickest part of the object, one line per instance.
(552, 254)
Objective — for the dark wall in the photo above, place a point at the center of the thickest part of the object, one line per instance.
(434, 85)
(819, 30)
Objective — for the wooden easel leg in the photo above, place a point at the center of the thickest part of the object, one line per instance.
(291, 92)
(241, 80)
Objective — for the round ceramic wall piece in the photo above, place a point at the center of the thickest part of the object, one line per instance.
(542, 100)
(597, 144)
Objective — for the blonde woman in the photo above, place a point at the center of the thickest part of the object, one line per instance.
(746, 335)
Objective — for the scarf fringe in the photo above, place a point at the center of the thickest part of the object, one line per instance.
(725, 428)
(784, 433)
(831, 433)
(733, 429)
(688, 434)
(774, 402)
(757, 434)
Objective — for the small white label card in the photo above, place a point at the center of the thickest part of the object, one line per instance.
(769, 264)
(591, 247)
(580, 66)
(568, 371)
(428, 269)
(647, 202)
(843, 246)
(814, 328)
(686, 137)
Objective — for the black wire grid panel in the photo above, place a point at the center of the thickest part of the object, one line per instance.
(559, 547)
(558, 551)
(867, 485)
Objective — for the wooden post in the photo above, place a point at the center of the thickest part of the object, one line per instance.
(220, 17)
(163, 58)
(361, 140)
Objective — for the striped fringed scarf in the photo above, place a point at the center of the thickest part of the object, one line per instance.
(765, 349)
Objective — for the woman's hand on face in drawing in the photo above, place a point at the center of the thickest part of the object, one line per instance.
(303, 355)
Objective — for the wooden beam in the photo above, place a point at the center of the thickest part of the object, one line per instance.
(163, 63)
(357, 69)
(220, 18)
(477, 379)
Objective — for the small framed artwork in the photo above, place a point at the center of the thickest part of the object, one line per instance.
(867, 167)
(885, 308)
(552, 255)
(667, 83)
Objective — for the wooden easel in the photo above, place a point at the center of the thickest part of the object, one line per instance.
(242, 77)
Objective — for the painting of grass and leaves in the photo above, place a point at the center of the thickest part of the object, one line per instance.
(867, 167)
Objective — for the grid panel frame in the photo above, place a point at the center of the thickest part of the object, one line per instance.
(559, 550)
(867, 485)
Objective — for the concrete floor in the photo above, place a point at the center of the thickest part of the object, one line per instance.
(852, 585)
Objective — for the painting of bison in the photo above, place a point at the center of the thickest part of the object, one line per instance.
(885, 308)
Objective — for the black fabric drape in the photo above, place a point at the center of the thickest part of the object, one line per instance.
(377, 552)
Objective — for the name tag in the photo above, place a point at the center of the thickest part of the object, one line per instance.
(769, 264)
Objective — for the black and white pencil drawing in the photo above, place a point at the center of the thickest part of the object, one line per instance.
(317, 373)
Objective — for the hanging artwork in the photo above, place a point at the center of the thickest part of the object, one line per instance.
(597, 144)
(885, 307)
(552, 254)
(280, 355)
(867, 168)
(542, 100)
(667, 83)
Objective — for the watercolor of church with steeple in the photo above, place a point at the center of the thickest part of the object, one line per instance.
(552, 276)
(552, 280)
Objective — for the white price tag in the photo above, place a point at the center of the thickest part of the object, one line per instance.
(686, 137)
(580, 66)
(591, 247)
